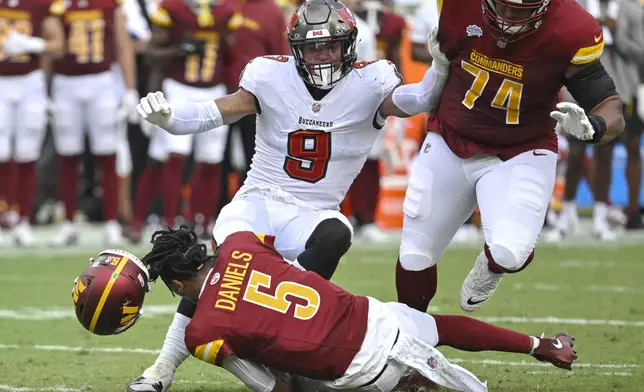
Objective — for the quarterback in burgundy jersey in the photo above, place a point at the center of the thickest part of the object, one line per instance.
(187, 51)
(492, 139)
(87, 99)
(254, 308)
(31, 31)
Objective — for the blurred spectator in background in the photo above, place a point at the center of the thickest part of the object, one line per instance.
(377, 24)
(35, 30)
(137, 23)
(425, 20)
(86, 97)
(606, 13)
(629, 45)
(262, 33)
(186, 54)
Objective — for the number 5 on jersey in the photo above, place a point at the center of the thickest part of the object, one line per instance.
(308, 154)
(507, 98)
(259, 282)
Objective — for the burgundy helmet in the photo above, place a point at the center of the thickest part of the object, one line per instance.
(109, 294)
(511, 30)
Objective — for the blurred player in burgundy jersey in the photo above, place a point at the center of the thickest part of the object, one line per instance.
(185, 52)
(86, 97)
(261, 34)
(365, 189)
(492, 138)
(30, 29)
(254, 308)
(425, 20)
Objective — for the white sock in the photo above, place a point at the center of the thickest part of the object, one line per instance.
(174, 350)
(600, 214)
(535, 344)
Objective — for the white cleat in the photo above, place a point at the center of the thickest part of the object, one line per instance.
(604, 234)
(67, 235)
(23, 235)
(157, 381)
(10, 218)
(554, 235)
(112, 233)
(567, 224)
(143, 384)
(616, 217)
(372, 233)
(479, 285)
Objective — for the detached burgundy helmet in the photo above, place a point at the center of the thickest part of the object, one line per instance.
(109, 294)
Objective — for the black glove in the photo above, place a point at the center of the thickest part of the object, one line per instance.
(191, 45)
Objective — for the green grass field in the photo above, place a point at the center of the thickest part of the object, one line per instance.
(593, 291)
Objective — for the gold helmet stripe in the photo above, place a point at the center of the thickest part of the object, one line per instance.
(106, 292)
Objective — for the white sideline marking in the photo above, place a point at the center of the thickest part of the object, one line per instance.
(589, 264)
(152, 311)
(592, 288)
(64, 388)
(576, 365)
(55, 313)
(556, 320)
(56, 388)
(605, 374)
(456, 360)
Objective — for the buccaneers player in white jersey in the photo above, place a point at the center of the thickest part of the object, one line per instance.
(318, 114)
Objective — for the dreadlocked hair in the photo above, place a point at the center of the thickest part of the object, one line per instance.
(175, 254)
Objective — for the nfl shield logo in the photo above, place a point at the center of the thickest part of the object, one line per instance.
(433, 363)
(316, 107)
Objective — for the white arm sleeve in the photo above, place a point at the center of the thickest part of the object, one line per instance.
(194, 117)
(254, 376)
(421, 97)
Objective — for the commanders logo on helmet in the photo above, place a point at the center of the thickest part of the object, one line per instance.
(109, 294)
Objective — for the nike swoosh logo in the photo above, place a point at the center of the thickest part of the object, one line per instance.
(470, 302)
(538, 153)
(598, 38)
(556, 343)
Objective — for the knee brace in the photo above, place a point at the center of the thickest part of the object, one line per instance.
(414, 253)
(415, 261)
(506, 260)
(332, 235)
(329, 241)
